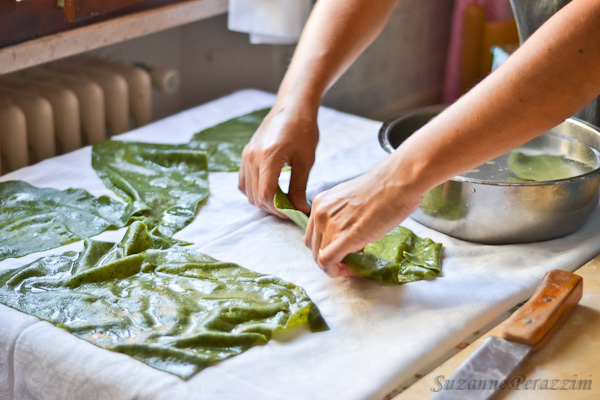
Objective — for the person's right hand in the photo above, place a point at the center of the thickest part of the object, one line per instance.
(287, 136)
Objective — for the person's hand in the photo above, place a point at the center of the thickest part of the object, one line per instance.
(352, 214)
(287, 136)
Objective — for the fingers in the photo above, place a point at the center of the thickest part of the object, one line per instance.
(267, 181)
(260, 188)
(308, 235)
(242, 178)
(330, 257)
(284, 136)
(330, 236)
(244, 181)
(297, 192)
(259, 185)
(313, 239)
(314, 235)
(345, 270)
(259, 182)
(315, 244)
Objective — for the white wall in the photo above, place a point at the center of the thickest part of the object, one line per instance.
(403, 69)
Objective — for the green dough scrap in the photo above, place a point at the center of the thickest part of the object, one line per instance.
(35, 219)
(445, 201)
(174, 309)
(225, 142)
(398, 257)
(284, 205)
(545, 167)
(165, 182)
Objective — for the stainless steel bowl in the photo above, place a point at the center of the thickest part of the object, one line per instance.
(499, 211)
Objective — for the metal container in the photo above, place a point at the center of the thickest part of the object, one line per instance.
(501, 211)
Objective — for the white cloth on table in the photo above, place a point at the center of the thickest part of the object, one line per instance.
(380, 336)
(269, 21)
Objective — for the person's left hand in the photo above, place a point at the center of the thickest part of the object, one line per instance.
(352, 214)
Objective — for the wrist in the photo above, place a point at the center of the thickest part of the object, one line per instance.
(406, 175)
(301, 102)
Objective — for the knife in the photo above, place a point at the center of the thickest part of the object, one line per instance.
(488, 368)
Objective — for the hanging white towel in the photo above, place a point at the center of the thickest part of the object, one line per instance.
(269, 21)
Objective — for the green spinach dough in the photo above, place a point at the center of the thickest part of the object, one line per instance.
(398, 257)
(34, 219)
(544, 167)
(174, 309)
(225, 142)
(164, 182)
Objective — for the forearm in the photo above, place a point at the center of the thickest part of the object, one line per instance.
(549, 78)
(335, 35)
(554, 74)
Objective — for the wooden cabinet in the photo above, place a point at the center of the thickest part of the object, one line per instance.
(38, 20)
(79, 9)
(31, 19)
(7, 6)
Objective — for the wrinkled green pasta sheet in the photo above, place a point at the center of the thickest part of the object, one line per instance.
(34, 219)
(174, 309)
(398, 257)
(162, 185)
(164, 182)
(167, 182)
(225, 142)
(545, 167)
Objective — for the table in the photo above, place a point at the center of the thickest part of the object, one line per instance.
(380, 336)
(568, 363)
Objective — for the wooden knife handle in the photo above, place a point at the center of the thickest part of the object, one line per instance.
(537, 320)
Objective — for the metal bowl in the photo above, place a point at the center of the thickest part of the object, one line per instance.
(499, 211)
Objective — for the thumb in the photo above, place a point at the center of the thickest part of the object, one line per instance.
(297, 192)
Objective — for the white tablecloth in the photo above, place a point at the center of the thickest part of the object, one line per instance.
(380, 336)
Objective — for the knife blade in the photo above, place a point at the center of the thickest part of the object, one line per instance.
(488, 368)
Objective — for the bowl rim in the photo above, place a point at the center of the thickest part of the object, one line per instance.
(390, 123)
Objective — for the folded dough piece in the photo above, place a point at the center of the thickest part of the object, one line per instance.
(174, 309)
(398, 257)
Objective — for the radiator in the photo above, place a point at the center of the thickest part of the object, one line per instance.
(60, 107)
